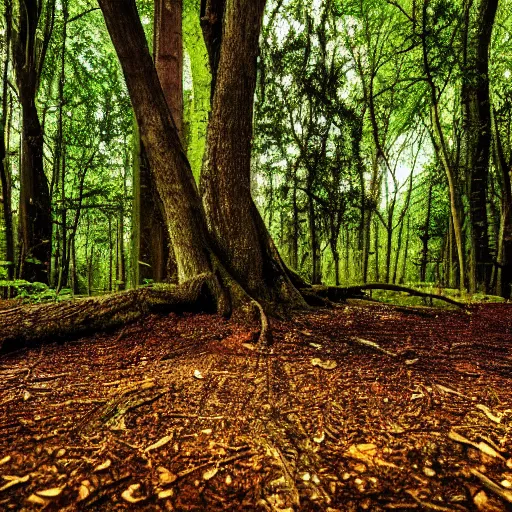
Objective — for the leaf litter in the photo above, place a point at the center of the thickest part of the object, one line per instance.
(420, 417)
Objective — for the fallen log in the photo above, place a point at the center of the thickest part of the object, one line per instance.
(338, 293)
(25, 324)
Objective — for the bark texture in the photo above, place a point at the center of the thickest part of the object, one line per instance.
(477, 131)
(35, 223)
(239, 234)
(26, 324)
(169, 165)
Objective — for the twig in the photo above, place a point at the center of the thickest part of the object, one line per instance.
(492, 486)
(221, 462)
(374, 346)
(430, 506)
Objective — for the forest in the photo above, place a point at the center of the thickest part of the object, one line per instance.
(310, 198)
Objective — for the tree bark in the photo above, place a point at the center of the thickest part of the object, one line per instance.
(35, 223)
(26, 324)
(477, 131)
(237, 230)
(5, 177)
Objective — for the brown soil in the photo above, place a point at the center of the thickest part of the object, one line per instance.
(119, 421)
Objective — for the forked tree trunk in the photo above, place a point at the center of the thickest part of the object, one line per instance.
(248, 253)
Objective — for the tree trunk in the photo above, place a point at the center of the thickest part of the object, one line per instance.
(504, 253)
(239, 235)
(168, 51)
(35, 223)
(440, 145)
(477, 131)
(377, 263)
(294, 243)
(425, 238)
(5, 176)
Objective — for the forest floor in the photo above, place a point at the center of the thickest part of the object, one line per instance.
(182, 413)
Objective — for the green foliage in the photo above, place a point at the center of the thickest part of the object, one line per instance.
(34, 293)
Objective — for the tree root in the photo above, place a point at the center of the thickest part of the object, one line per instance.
(337, 293)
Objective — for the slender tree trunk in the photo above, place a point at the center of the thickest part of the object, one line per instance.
(168, 51)
(440, 145)
(403, 277)
(477, 131)
(35, 223)
(121, 275)
(5, 176)
(294, 246)
(425, 238)
(397, 251)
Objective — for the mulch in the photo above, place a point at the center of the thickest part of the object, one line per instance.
(184, 413)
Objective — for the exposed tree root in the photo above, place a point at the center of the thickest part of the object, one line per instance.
(337, 293)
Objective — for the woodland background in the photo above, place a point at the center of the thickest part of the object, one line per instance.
(382, 143)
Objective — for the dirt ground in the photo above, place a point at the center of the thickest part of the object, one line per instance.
(182, 413)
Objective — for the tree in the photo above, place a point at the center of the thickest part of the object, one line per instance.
(476, 111)
(240, 260)
(5, 177)
(35, 225)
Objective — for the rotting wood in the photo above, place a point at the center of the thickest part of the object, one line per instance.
(23, 325)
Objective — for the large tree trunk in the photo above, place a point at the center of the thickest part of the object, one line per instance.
(234, 223)
(169, 165)
(152, 255)
(477, 131)
(35, 223)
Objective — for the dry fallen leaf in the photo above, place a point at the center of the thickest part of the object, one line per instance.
(14, 480)
(84, 490)
(103, 466)
(198, 374)
(210, 473)
(326, 364)
(320, 438)
(37, 500)
(128, 495)
(159, 443)
(365, 451)
(165, 477)
(165, 494)
(50, 493)
(5, 460)
(26, 396)
(429, 472)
